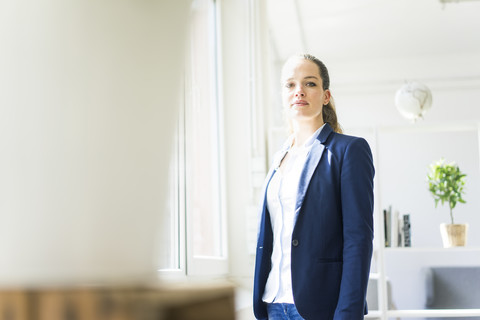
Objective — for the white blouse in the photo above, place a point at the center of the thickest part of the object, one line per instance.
(281, 198)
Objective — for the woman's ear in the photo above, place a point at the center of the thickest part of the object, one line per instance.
(327, 96)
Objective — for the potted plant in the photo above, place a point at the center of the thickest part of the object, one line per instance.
(446, 182)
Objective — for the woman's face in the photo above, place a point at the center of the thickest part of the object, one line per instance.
(302, 91)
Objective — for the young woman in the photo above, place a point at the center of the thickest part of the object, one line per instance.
(316, 228)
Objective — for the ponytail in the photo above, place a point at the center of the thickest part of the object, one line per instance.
(329, 115)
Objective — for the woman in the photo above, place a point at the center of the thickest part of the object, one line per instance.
(316, 229)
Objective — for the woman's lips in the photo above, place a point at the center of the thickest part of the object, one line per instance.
(299, 103)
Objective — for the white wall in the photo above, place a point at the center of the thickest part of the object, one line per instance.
(365, 89)
(88, 93)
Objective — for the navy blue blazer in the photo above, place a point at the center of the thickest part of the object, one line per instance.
(332, 238)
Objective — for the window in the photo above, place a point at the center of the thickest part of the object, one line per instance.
(171, 235)
(197, 244)
(206, 242)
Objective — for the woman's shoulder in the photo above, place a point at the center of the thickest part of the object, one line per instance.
(346, 139)
(329, 136)
(341, 142)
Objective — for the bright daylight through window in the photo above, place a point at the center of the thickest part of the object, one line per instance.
(194, 222)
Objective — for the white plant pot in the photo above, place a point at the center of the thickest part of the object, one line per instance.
(454, 235)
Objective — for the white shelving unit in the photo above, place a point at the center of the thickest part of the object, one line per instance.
(440, 313)
(398, 265)
(435, 256)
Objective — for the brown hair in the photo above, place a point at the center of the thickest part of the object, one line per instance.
(329, 112)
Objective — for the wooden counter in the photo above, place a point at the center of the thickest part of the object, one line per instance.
(172, 302)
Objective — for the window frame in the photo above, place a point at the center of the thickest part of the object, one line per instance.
(189, 264)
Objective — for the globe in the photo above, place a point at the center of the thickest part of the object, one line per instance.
(413, 100)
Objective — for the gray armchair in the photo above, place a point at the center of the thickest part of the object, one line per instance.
(452, 288)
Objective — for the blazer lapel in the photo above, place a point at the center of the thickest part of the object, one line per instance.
(313, 158)
(311, 163)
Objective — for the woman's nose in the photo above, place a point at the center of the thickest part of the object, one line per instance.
(299, 93)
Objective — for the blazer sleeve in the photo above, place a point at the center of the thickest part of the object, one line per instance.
(357, 174)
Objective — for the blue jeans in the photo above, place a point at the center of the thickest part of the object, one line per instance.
(282, 311)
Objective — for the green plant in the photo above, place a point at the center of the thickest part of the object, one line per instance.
(446, 182)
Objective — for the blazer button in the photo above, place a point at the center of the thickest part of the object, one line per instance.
(295, 242)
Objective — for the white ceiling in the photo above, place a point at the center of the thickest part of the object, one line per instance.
(371, 47)
(349, 30)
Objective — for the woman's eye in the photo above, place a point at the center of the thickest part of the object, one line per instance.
(311, 84)
(288, 85)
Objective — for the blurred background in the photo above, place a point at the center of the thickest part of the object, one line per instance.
(135, 135)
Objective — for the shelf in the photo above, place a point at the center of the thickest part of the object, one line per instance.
(432, 249)
(375, 314)
(431, 313)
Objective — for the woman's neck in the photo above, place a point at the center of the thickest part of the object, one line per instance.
(303, 131)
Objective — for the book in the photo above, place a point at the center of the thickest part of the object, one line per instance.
(394, 229)
(397, 228)
(407, 230)
(386, 224)
(401, 234)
